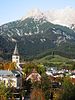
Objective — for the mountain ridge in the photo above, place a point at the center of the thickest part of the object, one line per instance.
(63, 16)
(35, 37)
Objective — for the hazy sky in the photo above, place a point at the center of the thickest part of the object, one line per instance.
(14, 9)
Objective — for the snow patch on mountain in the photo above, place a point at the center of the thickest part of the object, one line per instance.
(18, 32)
(13, 40)
(59, 40)
(42, 40)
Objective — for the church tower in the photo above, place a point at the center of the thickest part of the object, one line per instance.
(15, 56)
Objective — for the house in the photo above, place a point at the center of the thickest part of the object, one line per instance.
(11, 78)
(52, 70)
(34, 76)
(58, 75)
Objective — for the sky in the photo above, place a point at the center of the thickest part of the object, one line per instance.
(11, 10)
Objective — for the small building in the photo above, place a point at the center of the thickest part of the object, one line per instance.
(58, 75)
(11, 78)
(34, 76)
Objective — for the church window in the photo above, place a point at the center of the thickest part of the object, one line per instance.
(16, 57)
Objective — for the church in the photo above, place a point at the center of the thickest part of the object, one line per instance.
(16, 58)
(13, 78)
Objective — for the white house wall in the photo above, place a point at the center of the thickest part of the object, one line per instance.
(7, 79)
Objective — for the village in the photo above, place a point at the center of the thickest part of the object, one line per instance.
(29, 81)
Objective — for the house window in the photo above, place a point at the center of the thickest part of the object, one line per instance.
(4, 81)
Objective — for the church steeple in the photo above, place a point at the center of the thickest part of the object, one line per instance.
(15, 50)
(15, 56)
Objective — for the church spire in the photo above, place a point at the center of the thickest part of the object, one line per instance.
(15, 56)
(15, 50)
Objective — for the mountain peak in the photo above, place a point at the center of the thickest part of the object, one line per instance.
(65, 17)
(34, 13)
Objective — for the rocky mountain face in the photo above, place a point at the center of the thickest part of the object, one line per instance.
(34, 35)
